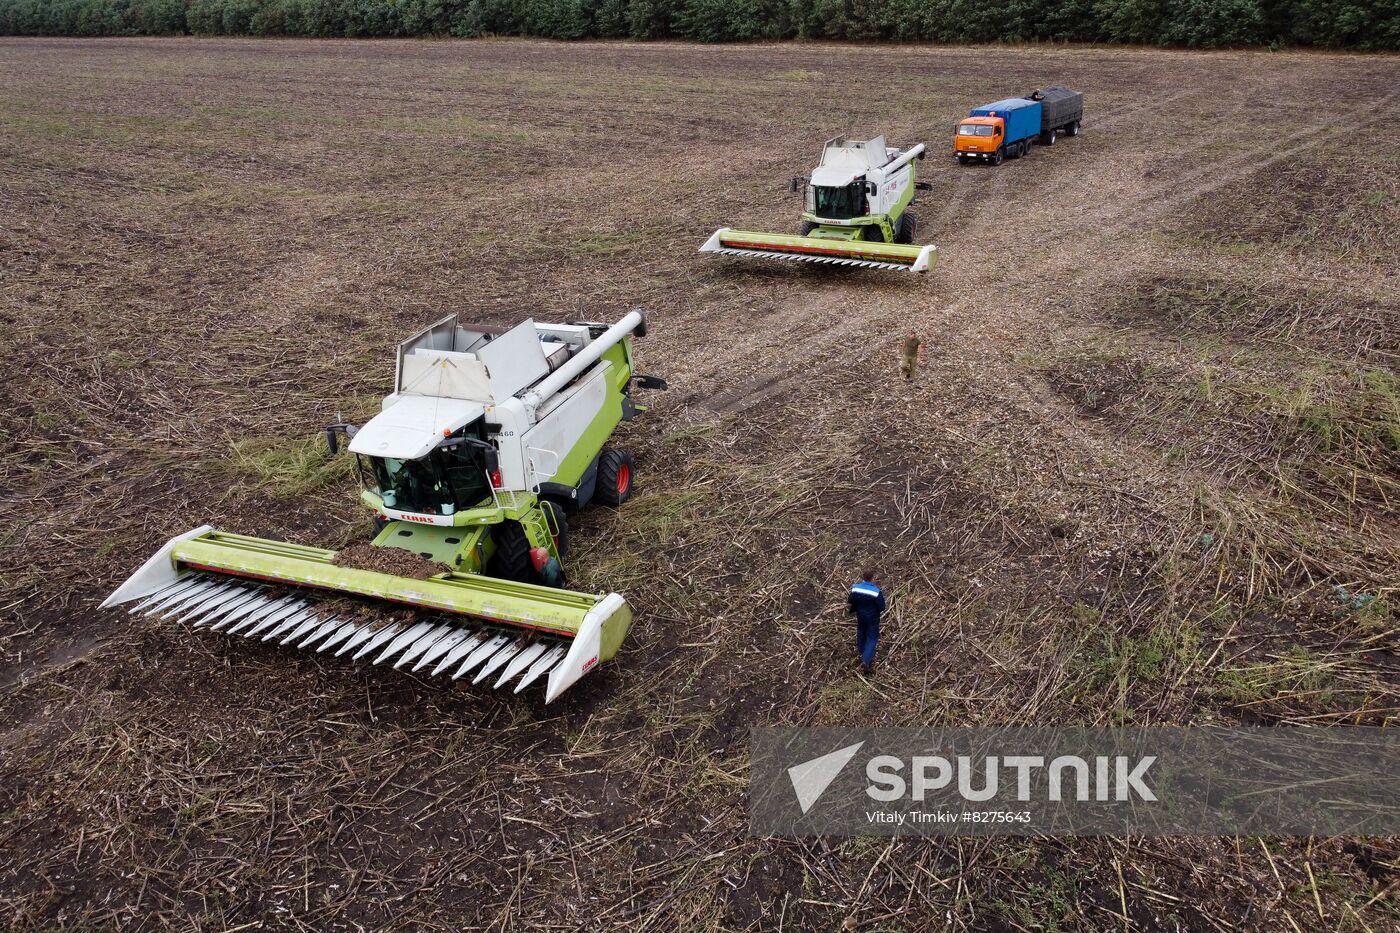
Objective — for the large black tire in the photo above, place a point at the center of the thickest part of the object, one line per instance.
(808, 227)
(512, 558)
(555, 519)
(615, 469)
(904, 232)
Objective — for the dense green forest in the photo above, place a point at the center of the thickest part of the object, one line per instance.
(1357, 24)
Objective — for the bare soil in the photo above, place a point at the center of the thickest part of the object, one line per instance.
(1154, 432)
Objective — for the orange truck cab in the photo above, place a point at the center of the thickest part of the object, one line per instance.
(979, 136)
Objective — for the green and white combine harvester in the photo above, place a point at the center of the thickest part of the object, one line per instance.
(489, 440)
(857, 212)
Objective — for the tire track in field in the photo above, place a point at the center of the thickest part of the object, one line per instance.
(1192, 185)
(782, 368)
(948, 210)
(971, 197)
(1116, 115)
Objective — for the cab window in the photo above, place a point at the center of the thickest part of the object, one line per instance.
(839, 203)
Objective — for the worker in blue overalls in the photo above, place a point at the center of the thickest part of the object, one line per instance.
(867, 603)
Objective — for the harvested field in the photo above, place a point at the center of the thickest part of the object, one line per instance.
(1157, 428)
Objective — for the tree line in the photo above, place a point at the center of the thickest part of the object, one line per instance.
(1351, 24)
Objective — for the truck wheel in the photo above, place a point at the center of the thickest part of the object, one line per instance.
(512, 558)
(904, 233)
(614, 477)
(1072, 129)
(808, 227)
(997, 157)
(558, 524)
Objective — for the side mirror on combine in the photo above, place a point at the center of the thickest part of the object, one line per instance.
(490, 456)
(332, 439)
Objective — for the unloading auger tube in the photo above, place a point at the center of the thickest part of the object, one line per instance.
(488, 441)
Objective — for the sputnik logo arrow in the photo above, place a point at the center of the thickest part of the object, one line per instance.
(811, 778)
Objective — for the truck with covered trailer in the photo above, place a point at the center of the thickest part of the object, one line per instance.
(1005, 129)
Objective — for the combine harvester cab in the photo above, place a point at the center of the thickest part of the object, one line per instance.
(488, 442)
(857, 212)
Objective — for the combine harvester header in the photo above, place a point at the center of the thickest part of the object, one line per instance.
(489, 440)
(857, 212)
